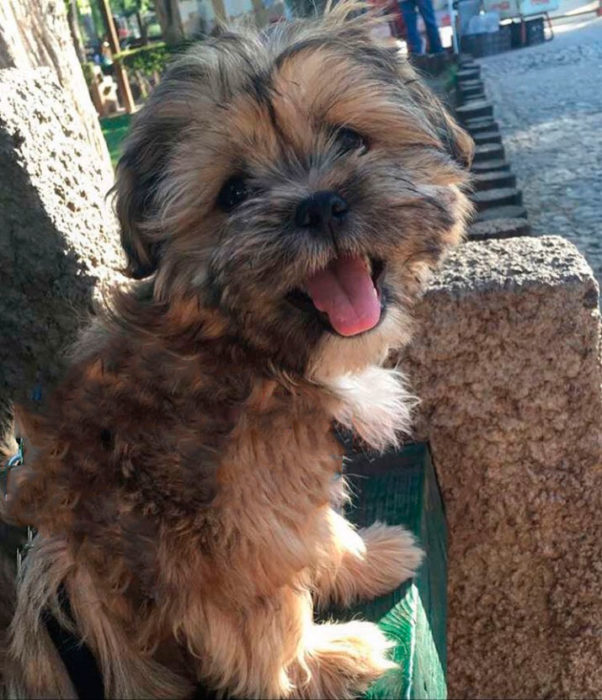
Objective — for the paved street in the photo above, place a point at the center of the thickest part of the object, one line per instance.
(548, 101)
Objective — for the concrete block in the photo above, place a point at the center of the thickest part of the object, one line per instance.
(506, 362)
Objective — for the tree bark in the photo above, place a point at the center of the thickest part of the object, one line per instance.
(168, 14)
(75, 33)
(36, 33)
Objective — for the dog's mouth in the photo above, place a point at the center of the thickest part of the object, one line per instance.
(346, 295)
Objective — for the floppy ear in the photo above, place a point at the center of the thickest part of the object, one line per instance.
(155, 131)
(138, 174)
(456, 141)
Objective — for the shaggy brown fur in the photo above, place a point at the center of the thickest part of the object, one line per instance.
(181, 477)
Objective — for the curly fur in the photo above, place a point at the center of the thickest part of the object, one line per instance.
(181, 477)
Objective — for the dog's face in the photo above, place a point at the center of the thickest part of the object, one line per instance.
(298, 183)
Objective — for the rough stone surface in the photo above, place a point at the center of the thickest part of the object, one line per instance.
(58, 237)
(506, 363)
(490, 166)
(548, 99)
(511, 211)
(502, 196)
(34, 34)
(498, 228)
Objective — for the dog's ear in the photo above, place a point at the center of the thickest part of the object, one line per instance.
(138, 173)
(455, 140)
(156, 131)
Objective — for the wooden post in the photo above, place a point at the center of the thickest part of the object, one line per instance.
(120, 72)
(219, 11)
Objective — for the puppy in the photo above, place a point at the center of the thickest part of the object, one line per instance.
(281, 197)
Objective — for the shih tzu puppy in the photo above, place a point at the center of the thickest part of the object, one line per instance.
(281, 197)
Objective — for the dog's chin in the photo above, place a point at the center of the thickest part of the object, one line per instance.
(336, 355)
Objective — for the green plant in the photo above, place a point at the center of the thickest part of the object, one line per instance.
(149, 59)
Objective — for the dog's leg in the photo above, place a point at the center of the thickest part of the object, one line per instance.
(365, 563)
(340, 661)
(277, 651)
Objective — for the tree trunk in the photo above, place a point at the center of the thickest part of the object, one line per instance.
(168, 14)
(143, 28)
(36, 33)
(74, 29)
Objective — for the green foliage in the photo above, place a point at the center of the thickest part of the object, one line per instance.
(146, 59)
(151, 58)
(115, 129)
(87, 68)
(129, 7)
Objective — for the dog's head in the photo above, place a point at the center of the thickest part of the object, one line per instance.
(297, 181)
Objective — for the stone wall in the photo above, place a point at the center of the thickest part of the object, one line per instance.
(506, 361)
(58, 236)
(35, 33)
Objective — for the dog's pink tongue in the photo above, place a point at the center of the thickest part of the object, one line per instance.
(345, 291)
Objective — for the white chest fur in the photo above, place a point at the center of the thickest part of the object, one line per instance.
(376, 404)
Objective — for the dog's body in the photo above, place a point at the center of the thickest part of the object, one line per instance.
(182, 478)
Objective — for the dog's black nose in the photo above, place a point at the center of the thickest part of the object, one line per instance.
(320, 210)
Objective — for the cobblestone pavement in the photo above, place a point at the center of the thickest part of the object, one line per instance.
(548, 102)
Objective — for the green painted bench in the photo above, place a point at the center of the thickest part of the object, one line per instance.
(401, 488)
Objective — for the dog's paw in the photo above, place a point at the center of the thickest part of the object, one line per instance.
(344, 660)
(392, 557)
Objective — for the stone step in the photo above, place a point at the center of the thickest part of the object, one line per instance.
(498, 228)
(466, 99)
(488, 151)
(487, 137)
(474, 109)
(462, 84)
(511, 211)
(489, 181)
(469, 73)
(489, 166)
(498, 197)
(472, 93)
(476, 126)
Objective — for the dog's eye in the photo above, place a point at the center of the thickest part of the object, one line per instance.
(232, 193)
(349, 140)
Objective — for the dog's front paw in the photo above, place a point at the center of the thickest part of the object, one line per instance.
(391, 558)
(344, 660)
